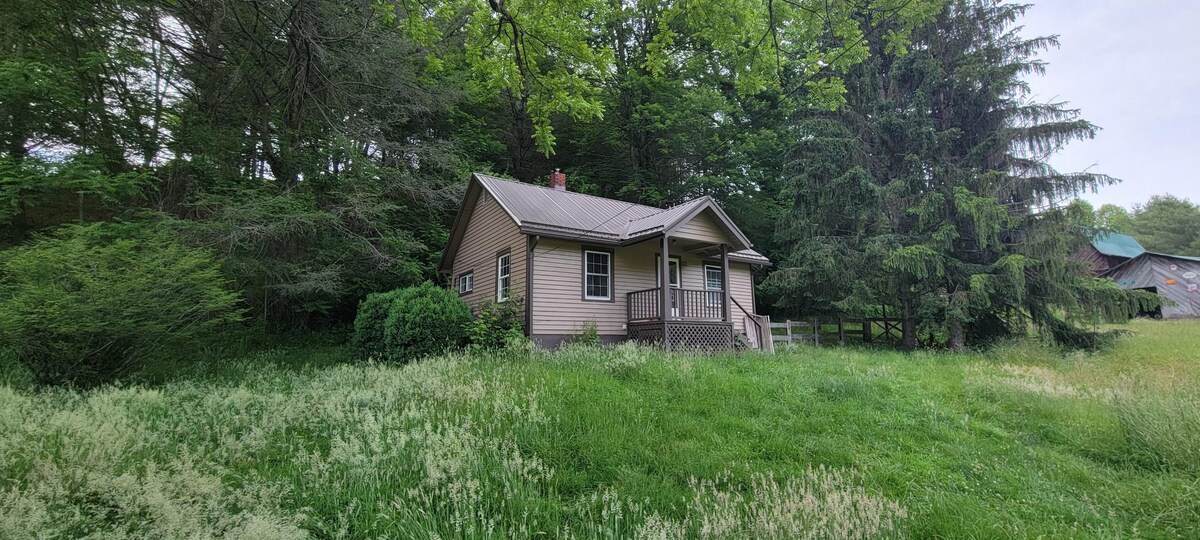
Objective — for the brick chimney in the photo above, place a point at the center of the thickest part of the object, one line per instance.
(558, 180)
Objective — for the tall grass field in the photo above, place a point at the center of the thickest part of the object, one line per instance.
(623, 442)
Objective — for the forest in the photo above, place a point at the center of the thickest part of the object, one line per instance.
(221, 317)
(173, 169)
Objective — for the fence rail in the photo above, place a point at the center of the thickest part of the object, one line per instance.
(837, 332)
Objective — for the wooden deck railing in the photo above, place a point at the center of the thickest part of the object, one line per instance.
(684, 304)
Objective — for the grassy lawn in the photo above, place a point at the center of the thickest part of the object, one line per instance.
(625, 442)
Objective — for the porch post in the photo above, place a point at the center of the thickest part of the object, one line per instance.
(664, 291)
(726, 309)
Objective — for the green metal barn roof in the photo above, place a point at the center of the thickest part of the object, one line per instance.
(1117, 245)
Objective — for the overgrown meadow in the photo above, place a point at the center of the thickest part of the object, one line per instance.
(622, 443)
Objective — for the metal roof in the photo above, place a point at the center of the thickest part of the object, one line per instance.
(664, 218)
(1168, 255)
(566, 214)
(536, 205)
(1117, 245)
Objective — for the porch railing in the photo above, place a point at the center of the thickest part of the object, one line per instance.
(684, 304)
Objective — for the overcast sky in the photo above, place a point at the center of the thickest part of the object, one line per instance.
(1133, 67)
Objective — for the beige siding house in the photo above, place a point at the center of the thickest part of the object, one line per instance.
(573, 260)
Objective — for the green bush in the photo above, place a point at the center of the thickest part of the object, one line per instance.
(12, 372)
(89, 304)
(589, 335)
(424, 320)
(496, 324)
(367, 339)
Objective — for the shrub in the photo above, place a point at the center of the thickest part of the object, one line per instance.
(91, 303)
(589, 335)
(13, 373)
(367, 339)
(496, 324)
(424, 320)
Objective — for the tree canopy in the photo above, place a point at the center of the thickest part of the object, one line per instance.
(1164, 224)
(884, 151)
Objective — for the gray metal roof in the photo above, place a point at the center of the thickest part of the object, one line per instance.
(536, 205)
(566, 214)
(663, 219)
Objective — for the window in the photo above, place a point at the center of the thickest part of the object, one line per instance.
(466, 282)
(503, 277)
(713, 284)
(597, 275)
(674, 271)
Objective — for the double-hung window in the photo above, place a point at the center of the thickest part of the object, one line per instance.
(597, 275)
(466, 282)
(503, 276)
(713, 283)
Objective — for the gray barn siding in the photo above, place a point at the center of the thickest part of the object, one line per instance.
(558, 304)
(1153, 271)
(489, 231)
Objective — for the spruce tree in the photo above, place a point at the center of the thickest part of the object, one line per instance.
(929, 194)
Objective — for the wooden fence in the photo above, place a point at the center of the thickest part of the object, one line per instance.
(839, 332)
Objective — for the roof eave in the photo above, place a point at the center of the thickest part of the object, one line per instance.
(724, 218)
(759, 262)
(576, 236)
(459, 228)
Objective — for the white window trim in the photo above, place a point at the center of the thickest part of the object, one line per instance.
(677, 274)
(609, 275)
(502, 292)
(709, 297)
(466, 277)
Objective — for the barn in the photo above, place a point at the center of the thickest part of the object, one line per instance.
(1108, 250)
(1176, 279)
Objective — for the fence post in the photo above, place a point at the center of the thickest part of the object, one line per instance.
(789, 331)
(841, 332)
(866, 330)
(816, 332)
(770, 339)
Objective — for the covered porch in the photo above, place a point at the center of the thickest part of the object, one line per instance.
(692, 319)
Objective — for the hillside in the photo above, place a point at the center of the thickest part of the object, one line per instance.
(621, 443)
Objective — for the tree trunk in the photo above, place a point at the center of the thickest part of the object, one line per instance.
(957, 340)
(908, 320)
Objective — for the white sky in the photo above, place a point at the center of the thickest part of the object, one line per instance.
(1133, 67)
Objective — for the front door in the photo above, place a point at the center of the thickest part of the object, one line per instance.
(715, 297)
(676, 280)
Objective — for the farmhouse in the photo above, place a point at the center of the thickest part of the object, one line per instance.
(574, 260)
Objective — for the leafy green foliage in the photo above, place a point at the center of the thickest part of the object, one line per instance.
(589, 335)
(320, 152)
(1164, 224)
(424, 320)
(369, 324)
(554, 58)
(496, 325)
(91, 303)
(1114, 218)
(1168, 224)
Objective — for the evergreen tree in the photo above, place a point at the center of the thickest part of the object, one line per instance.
(929, 194)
